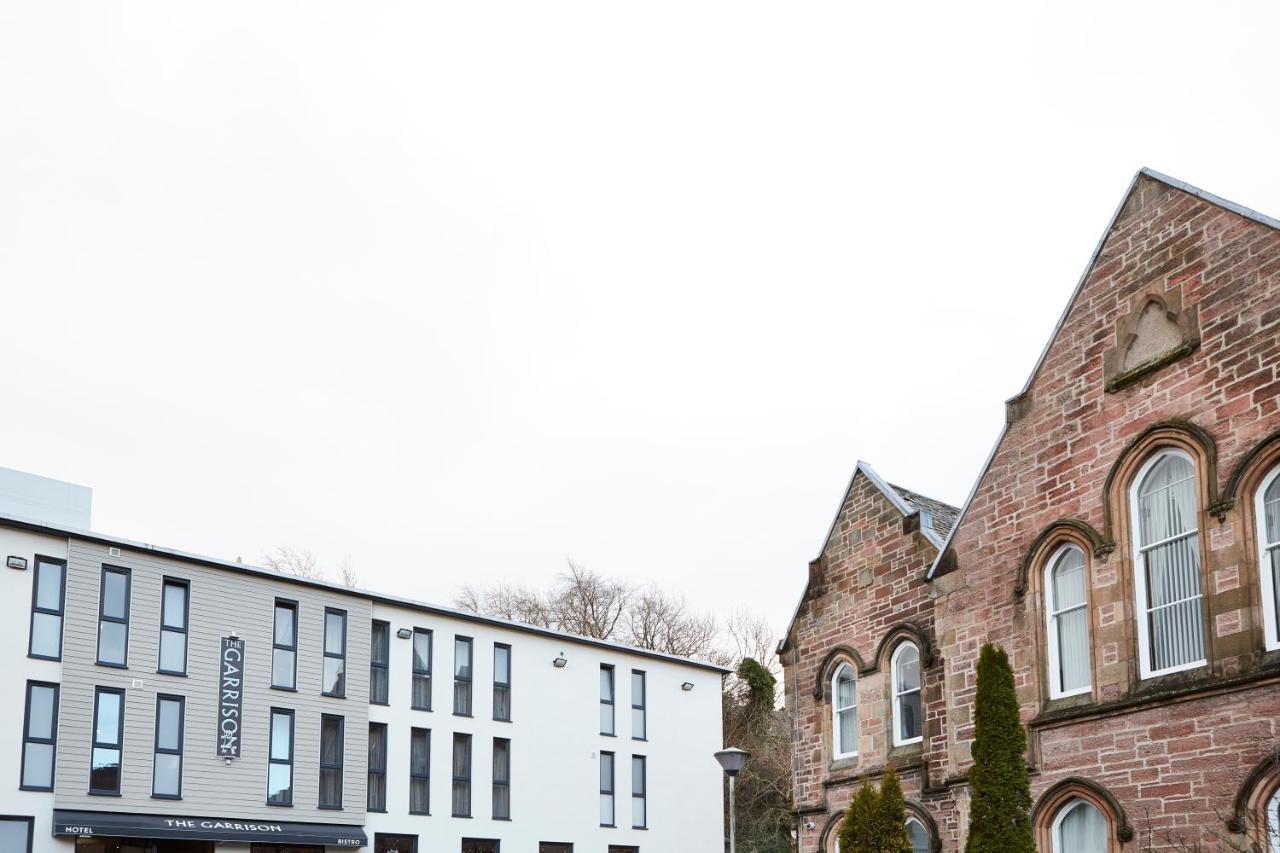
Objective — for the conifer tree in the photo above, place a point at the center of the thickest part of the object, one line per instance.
(857, 830)
(999, 788)
(891, 826)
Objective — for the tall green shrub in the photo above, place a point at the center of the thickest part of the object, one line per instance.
(876, 821)
(999, 789)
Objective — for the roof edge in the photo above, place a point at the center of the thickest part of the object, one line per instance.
(34, 526)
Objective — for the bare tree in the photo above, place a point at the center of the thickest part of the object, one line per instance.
(664, 623)
(589, 604)
(299, 562)
(347, 573)
(515, 603)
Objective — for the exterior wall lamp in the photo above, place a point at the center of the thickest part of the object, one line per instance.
(560, 662)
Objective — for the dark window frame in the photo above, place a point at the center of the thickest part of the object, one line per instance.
(425, 777)
(95, 744)
(611, 701)
(36, 608)
(644, 790)
(115, 620)
(643, 707)
(468, 680)
(496, 842)
(502, 685)
(157, 750)
(377, 836)
(342, 758)
(291, 605)
(565, 846)
(185, 630)
(372, 771)
(293, 743)
(462, 780)
(51, 741)
(505, 783)
(31, 827)
(418, 673)
(327, 655)
(612, 790)
(384, 665)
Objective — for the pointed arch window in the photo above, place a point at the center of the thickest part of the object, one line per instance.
(844, 712)
(1267, 515)
(907, 712)
(1067, 610)
(1273, 823)
(1166, 535)
(1080, 828)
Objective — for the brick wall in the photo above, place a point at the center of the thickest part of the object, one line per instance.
(1173, 750)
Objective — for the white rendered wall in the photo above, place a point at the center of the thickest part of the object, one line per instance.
(555, 745)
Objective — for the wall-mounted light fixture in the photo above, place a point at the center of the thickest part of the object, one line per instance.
(687, 686)
(560, 662)
(19, 563)
(404, 633)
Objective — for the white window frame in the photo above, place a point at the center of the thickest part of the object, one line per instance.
(1052, 612)
(893, 691)
(1272, 632)
(1070, 806)
(1140, 565)
(836, 754)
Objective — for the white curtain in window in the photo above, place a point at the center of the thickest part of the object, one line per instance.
(846, 708)
(906, 693)
(1271, 535)
(1070, 620)
(1170, 548)
(1082, 829)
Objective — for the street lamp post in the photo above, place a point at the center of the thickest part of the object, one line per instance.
(732, 760)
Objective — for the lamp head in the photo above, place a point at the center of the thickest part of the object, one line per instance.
(732, 760)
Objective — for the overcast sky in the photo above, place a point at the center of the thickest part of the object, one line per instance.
(456, 290)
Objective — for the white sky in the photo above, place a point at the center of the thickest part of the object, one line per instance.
(458, 289)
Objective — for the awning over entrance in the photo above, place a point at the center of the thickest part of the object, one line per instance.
(185, 828)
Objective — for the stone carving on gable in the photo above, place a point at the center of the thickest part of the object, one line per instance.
(1157, 331)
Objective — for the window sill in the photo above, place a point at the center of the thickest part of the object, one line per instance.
(166, 797)
(112, 665)
(464, 716)
(284, 689)
(43, 657)
(33, 788)
(330, 808)
(333, 695)
(93, 793)
(169, 672)
(419, 708)
(417, 814)
(280, 805)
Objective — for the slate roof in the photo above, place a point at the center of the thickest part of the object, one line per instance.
(936, 514)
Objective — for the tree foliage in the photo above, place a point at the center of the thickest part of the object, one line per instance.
(1000, 790)
(876, 820)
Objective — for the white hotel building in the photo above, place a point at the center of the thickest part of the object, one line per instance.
(163, 702)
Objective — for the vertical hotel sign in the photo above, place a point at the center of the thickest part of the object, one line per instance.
(230, 696)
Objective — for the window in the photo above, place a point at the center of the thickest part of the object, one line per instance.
(906, 695)
(108, 739)
(174, 609)
(555, 847)
(918, 836)
(379, 660)
(16, 833)
(1267, 514)
(113, 617)
(1068, 623)
(462, 676)
(606, 789)
(501, 682)
(39, 736)
(501, 779)
(284, 651)
(420, 771)
(422, 669)
(48, 598)
(606, 700)
(331, 750)
(626, 848)
(383, 843)
(1273, 823)
(639, 719)
(280, 759)
(335, 653)
(480, 845)
(376, 789)
(1079, 828)
(166, 772)
(1167, 565)
(639, 790)
(844, 713)
(461, 775)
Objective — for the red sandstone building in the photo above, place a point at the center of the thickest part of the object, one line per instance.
(1122, 543)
